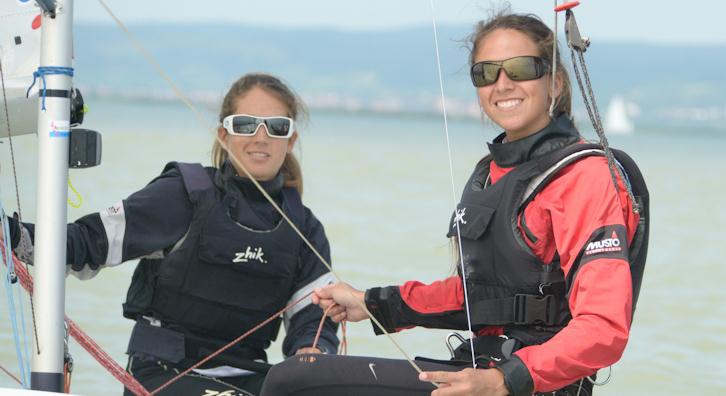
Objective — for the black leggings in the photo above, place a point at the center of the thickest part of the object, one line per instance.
(328, 375)
(153, 374)
(334, 375)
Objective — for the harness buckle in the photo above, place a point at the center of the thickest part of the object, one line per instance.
(461, 339)
(531, 309)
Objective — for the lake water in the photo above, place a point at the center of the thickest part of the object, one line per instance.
(381, 186)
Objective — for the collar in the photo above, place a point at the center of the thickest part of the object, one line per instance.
(228, 178)
(560, 132)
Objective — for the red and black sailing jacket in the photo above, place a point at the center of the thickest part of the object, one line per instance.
(553, 254)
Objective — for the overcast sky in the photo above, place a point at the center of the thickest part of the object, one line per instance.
(658, 21)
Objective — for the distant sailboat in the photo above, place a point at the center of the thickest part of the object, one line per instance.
(618, 116)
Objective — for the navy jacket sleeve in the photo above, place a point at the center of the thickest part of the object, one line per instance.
(303, 319)
(147, 222)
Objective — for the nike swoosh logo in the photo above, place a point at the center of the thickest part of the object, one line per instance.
(371, 366)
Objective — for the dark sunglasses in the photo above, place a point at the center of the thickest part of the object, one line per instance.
(248, 125)
(519, 68)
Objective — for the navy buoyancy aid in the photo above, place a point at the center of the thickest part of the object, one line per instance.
(222, 278)
(506, 283)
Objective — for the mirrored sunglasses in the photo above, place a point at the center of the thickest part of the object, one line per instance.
(248, 125)
(520, 68)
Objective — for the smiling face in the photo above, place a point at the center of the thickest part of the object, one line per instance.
(519, 107)
(260, 154)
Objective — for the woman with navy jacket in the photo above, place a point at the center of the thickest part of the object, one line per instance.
(216, 258)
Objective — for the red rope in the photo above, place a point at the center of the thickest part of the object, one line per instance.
(83, 339)
(122, 375)
(236, 340)
(105, 360)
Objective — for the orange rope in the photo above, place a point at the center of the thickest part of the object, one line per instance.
(343, 350)
(67, 378)
(236, 340)
(343, 347)
(320, 326)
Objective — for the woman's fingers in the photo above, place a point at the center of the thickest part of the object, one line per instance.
(440, 377)
(349, 300)
(339, 317)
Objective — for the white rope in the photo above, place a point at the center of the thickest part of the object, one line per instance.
(453, 187)
(149, 58)
(320, 257)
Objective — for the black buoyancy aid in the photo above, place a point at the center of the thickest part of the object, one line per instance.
(506, 283)
(223, 278)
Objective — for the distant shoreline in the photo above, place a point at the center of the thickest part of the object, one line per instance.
(706, 117)
(331, 103)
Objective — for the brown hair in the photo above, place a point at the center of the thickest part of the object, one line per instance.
(539, 33)
(296, 110)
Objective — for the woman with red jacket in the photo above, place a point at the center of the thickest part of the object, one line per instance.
(553, 249)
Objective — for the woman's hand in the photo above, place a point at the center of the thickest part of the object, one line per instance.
(304, 350)
(469, 381)
(347, 302)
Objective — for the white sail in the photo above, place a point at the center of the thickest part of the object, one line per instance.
(20, 56)
(618, 116)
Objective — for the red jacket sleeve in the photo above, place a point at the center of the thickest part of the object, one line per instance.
(437, 305)
(438, 297)
(565, 215)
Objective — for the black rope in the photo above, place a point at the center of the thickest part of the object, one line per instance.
(592, 111)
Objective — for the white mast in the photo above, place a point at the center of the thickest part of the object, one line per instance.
(50, 230)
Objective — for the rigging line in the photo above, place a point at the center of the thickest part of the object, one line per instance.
(594, 114)
(181, 96)
(93, 349)
(11, 278)
(146, 54)
(10, 140)
(320, 326)
(318, 255)
(17, 197)
(10, 264)
(231, 344)
(17, 190)
(246, 334)
(554, 66)
(453, 187)
(579, 44)
(10, 374)
(343, 348)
